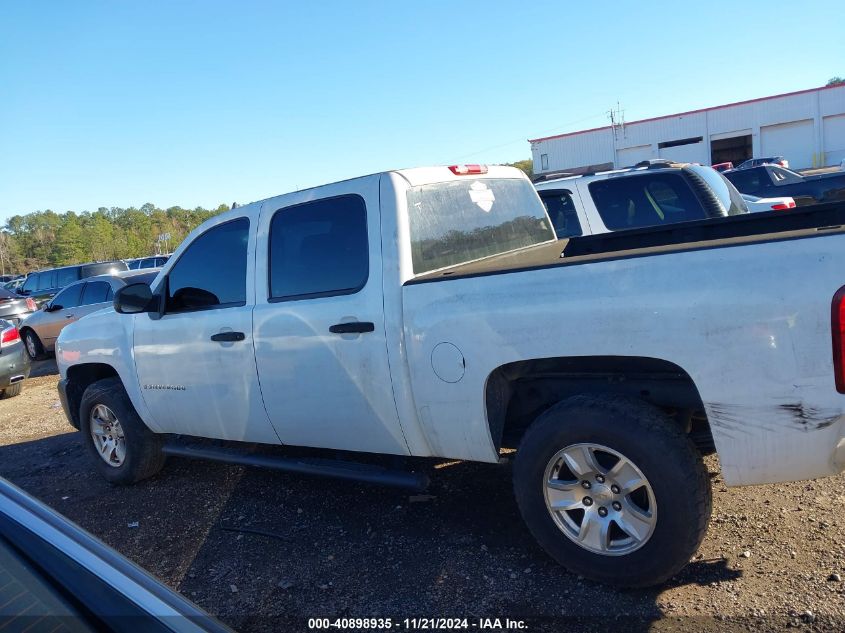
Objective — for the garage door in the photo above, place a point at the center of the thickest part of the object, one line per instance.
(633, 155)
(792, 140)
(834, 139)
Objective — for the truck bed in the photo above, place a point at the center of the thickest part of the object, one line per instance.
(804, 222)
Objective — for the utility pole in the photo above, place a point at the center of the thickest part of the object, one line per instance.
(617, 125)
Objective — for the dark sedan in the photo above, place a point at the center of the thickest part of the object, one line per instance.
(14, 362)
(14, 307)
(771, 181)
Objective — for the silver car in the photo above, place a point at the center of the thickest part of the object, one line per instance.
(41, 329)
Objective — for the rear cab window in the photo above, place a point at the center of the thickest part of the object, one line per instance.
(460, 221)
(642, 200)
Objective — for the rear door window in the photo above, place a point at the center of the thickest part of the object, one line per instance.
(45, 280)
(66, 276)
(319, 249)
(95, 292)
(630, 202)
(562, 212)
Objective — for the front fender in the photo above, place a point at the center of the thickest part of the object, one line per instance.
(104, 337)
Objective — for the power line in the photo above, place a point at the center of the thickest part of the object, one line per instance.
(541, 133)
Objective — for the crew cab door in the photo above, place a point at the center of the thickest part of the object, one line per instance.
(195, 362)
(319, 320)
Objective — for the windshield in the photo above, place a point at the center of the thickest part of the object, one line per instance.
(461, 221)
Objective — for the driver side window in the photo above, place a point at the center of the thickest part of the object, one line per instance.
(211, 273)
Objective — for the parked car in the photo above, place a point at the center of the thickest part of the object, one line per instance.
(14, 285)
(757, 205)
(769, 181)
(723, 166)
(55, 576)
(432, 312)
(14, 307)
(40, 329)
(44, 284)
(780, 161)
(14, 363)
(652, 194)
(156, 261)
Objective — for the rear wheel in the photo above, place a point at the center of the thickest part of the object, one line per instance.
(124, 449)
(613, 490)
(12, 390)
(33, 345)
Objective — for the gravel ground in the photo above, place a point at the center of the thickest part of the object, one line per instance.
(265, 551)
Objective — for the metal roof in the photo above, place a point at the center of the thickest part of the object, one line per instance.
(669, 116)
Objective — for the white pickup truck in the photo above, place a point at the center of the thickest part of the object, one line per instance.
(432, 313)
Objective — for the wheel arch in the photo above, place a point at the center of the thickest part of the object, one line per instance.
(517, 393)
(79, 378)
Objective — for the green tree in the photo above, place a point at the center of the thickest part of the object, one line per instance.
(526, 165)
(69, 243)
(835, 81)
(45, 238)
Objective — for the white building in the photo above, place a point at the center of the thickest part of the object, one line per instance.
(806, 127)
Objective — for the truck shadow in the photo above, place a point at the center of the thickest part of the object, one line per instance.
(46, 367)
(264, 550)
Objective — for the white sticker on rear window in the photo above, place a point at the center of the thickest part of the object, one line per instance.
(481, 195)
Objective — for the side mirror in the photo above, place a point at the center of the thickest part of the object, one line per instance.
(133, 299)
(52, 307)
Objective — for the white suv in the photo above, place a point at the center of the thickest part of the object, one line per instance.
(649, 194)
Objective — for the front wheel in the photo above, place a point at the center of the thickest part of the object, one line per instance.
(34, 348)
(124, 449)
(613, 490)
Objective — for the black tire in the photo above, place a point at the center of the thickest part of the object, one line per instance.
(664, 455)
(143, 448)
(32, 345)
(12, 390)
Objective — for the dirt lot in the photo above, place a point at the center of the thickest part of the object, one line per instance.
(773, 557)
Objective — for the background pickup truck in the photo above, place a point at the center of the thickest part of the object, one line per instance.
(432, 313)
(770, 181)
(655, 193)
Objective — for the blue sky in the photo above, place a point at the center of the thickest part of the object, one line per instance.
(201, 103)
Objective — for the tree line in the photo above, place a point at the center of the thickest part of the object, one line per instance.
(45, 238)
